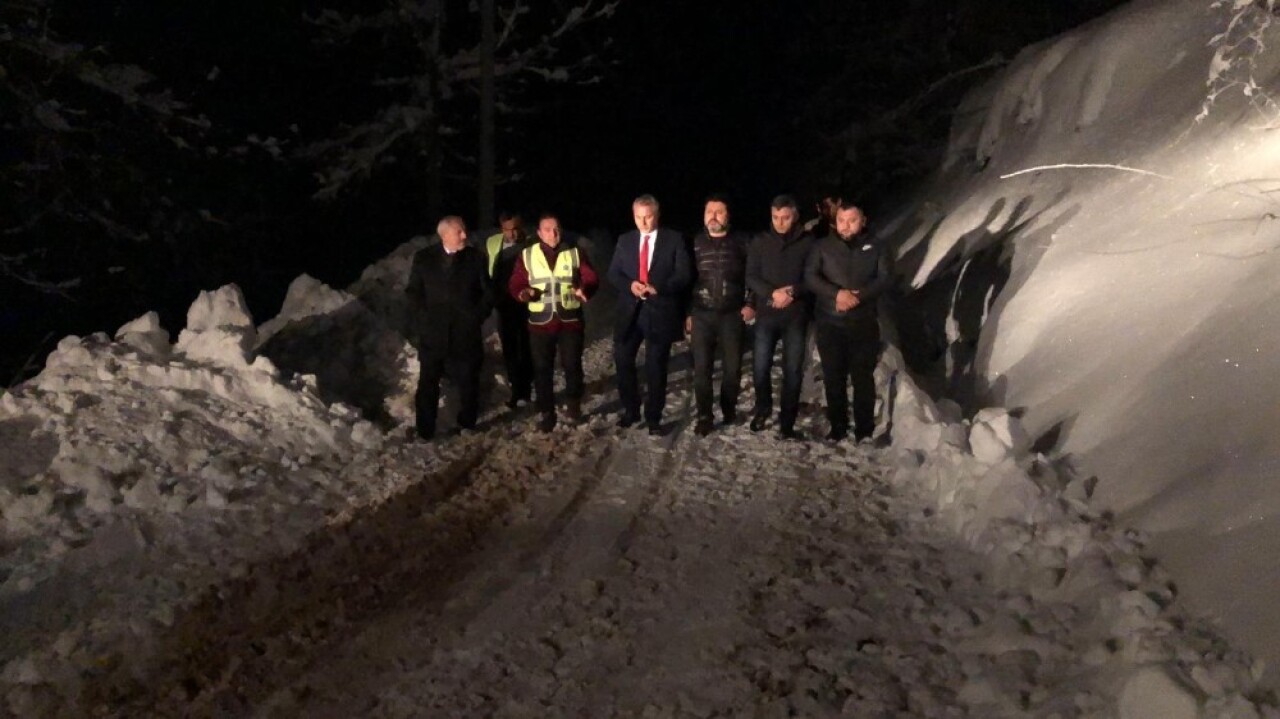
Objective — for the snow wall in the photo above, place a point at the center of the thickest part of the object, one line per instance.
(1130, 317)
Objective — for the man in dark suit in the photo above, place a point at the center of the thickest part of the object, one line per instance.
(652, 271)
(449, 295)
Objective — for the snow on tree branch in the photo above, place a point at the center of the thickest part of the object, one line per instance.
(435, 59)
(1236, 52)
(354, 154)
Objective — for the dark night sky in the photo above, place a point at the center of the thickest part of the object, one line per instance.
(704, 99)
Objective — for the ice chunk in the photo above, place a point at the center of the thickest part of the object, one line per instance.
(1150, 692)
(145, 335)
(219, 328)
(996, 434)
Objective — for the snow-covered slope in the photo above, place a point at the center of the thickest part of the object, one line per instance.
(1129, 312)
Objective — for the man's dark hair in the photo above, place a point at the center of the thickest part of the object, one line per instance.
(507, 216)
(548, 216)
(832, 193)
(720, 197)
(782, 202)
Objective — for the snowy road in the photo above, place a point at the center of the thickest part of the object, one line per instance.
(729, 576)
(605, 573)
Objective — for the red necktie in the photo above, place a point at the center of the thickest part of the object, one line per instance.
(644, 259)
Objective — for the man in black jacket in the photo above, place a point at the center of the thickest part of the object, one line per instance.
(718, 309)
(449, 295)
(775, 274)
(845, 275)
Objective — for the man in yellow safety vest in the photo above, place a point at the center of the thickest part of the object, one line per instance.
(504, 250)
(555, 281)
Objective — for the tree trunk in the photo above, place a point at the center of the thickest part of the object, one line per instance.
(433, 147)
(488, 173)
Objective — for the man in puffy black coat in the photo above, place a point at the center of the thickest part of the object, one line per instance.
(846, 274)
(775, 274)
(449, 295)
(718, 310)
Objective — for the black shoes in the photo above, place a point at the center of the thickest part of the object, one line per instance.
(788, 433)
(757, 422)
(627, 419)
(837, 434)
(655, 429)
(548, 422)
(730, 417)
(703, 427)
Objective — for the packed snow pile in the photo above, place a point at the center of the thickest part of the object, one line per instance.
(355, 356)
(1103, 264)
(1084, 588)
(357, 342)
(135, 477)
(219, 328)
(381, 285)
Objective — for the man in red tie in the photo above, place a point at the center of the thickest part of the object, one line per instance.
(652, 271)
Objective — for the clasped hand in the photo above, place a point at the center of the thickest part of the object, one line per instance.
(642, 290)
(846, 300)
(782, 297)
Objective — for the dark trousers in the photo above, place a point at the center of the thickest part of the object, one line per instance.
(657, 355)
(544, 346)
(714, 331)
(458, 356)
(517, 355)
(792, 334)
(850, 352)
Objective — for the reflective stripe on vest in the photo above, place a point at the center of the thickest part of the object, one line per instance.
(557, 296)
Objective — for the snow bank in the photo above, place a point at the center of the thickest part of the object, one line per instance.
(357, 342)
(1126, 314)
(356, 357)
(135, 476)
(1032, 520)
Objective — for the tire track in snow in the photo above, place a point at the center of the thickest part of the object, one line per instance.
(244, 636)
(580, 538)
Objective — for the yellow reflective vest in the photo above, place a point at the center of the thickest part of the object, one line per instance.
(556, 285)
(493, 246)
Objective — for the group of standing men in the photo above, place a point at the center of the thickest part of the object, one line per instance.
(785, 279)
